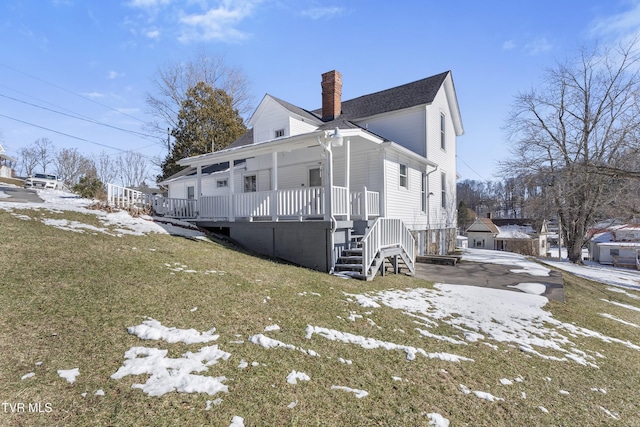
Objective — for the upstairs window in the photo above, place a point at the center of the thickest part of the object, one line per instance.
(443, 144)
(279, 133)
(404, 178)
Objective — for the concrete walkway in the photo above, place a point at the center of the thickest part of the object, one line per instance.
(19, 195)
(490, 276)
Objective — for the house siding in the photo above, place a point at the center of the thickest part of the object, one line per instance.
(404, 203)
(405, 127)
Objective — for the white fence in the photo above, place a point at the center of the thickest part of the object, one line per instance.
(126, 198)
(386, 233)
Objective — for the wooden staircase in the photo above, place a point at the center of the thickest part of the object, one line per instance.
(352, 260)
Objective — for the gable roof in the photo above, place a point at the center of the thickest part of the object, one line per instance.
(397, 98)
(483, 225)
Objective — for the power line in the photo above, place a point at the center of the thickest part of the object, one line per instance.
(139, 134)
(76, 137)
(472, 170)
(71, 92)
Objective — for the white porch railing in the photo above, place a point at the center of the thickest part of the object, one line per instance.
(176, 208)
(365, 204)
(125, 198)
(298, 203)
(383, 234)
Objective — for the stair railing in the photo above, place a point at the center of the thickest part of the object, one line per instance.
(386, 233)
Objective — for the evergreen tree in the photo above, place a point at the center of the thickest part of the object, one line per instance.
(207, 122)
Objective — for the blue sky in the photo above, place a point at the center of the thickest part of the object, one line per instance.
(97, 58)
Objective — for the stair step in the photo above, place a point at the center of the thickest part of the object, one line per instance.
(351, 258)
(349, 267)
(352, 251)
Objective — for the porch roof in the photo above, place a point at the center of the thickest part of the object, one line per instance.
(272, 146)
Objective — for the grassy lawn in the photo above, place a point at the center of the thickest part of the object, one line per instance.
(67, 299)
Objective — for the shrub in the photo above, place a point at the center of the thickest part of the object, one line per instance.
(90, 187)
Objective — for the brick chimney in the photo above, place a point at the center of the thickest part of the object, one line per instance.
(331, 95)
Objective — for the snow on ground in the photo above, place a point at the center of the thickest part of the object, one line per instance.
(514, 318)
(621, 277)
(151, 329)
(69, 374)
(294, 377)
(115, 224)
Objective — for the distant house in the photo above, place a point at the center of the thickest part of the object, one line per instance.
(303, 185)
(7, 163)
(617, 245)
(518, 236)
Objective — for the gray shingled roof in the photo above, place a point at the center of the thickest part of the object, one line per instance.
(405, 96)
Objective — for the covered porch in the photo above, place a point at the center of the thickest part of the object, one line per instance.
(300, 178)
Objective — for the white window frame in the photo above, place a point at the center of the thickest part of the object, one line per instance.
(309, 169)
(405, 175)
(244, 182)
(443, 134)
(279, 133)
(443, 190)
(222, 183)
(423, 193)
(191, 192)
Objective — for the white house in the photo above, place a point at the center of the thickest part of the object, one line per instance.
(511, 235)
(302, 185)
(617, 245)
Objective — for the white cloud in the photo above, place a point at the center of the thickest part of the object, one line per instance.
(93, 95)
(152, 34)
(508, 45)
(322, 12)
(538, 46)
(621, 24)
(148, 4)
(114, 75)
(218, 23)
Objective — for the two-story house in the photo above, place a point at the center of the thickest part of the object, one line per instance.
(306, 185)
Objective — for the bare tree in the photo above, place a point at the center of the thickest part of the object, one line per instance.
(45, 152)
(174, 79)
(106, 168)
(585, 116)
(28, 160)
(132, 168)
(71, 165)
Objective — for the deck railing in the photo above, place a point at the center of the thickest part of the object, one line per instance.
(126, 198)
(287, 204)
(383, 234)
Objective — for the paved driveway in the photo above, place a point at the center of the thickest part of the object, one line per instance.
(490, 276)
(19, 195)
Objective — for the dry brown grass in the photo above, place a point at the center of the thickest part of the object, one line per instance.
(67, 299)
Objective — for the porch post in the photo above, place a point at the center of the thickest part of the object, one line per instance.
(274, 186)
(198, 189)
(365, 213)
(328, 196)
(347, 175)
(231, 190)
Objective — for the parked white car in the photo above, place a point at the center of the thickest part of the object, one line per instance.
(43, 180)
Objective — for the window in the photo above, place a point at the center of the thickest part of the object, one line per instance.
(614, 252)
(191, 192)
(423, 192)
(404, 181)
(442, 132)
(250, 184)
(222, 183)
(279, 133)
(443, 184)
(315, 177)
